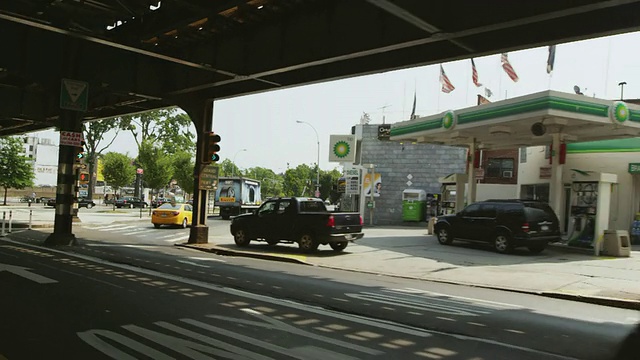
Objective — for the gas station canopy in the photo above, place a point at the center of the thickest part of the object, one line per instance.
(510, 123)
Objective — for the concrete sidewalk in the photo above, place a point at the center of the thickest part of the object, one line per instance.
(411, 253)
(43, 217)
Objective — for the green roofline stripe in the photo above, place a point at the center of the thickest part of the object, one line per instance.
(586, 151)
(547, 102)
(634, 115)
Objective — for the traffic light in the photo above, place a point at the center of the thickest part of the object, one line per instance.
(211, 148)
(80, 153)
(84, 178)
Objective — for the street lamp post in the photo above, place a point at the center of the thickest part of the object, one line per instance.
(233, 169)
(318, 163)
(622, 84)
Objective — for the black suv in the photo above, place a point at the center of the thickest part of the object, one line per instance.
(506, 224)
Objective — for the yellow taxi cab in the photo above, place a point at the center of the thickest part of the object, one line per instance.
(172, 214)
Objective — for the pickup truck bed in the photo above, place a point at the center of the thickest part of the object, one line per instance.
(305, 221)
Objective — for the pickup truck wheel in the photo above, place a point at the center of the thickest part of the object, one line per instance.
(241, 238)
(307, 243)
(339, 246)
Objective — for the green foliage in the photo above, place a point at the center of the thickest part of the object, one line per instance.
(118, 170)
(299, 181)
(183, 166)
(228, 168)
(329, 185)
(271, 183)
(16, 171)
(94, 132)
(169, 128)
(157, 166)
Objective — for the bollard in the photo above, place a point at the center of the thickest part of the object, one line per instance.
(30, 217)
(10, 220)
(4, 216)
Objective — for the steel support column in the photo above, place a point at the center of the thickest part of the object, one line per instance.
(67, 180)
(201, 113)
(471, 189)
(556, 187)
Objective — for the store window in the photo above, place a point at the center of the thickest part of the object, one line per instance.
(500, 168)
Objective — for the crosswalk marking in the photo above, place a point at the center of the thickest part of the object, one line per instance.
(185, 237)
(142, 232)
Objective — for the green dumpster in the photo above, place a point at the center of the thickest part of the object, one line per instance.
(414, 202)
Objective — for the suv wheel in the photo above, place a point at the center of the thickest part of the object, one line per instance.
(444, 237)
(502, 243)
(240, 237)
(307, 243)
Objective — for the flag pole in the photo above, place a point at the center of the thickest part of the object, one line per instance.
(466, 96)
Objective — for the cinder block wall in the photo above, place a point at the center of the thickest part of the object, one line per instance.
(395, 162)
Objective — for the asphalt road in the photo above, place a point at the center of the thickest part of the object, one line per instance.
(120, 295)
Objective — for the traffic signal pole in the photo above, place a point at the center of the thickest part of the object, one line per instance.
(201, 114)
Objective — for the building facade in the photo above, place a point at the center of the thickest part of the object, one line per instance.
(43, 153)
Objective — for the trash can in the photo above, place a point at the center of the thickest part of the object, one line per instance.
(414, 202)
(616, 243)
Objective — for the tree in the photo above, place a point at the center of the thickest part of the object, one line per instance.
(94, 132)
(228, 168)
(183, 166)
(271, 184)
(329, 185)
(118, 170)
(167, 127)
(298, 181)
(16, 171)
(157, 166)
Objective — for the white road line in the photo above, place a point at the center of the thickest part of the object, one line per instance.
(500, 305)
(207, 259)
(124, 228)
(135, 232)
(167, 236)
(102, 227)
(177, 239)
(192, 263)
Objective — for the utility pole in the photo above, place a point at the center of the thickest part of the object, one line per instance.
(372, 183)
(622, 84)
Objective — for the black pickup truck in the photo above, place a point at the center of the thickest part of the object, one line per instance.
(305, 221)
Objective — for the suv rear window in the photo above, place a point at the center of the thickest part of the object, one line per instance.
(538, 212)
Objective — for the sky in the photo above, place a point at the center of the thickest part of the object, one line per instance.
(265, 124)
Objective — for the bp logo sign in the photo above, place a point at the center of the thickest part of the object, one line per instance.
(449, 120)
(619, 112)
(342, 148)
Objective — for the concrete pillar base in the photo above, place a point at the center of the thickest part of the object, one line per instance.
(199, 234)
(61, 239)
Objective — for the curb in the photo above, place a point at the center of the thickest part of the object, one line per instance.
(596, 300)
(226, 252)
(18, 225)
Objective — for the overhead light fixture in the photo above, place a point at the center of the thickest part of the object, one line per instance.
(260, 7)
(200, 28)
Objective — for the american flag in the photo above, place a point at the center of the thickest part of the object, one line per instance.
(474, 75)
(447, 86)
(506, 65)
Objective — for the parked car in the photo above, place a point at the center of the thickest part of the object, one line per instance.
(305, 221)
(172, 214)
(506, 224)
(87, 203)
(159, 201)
(131, 202)
(51, 202)
(82, 202)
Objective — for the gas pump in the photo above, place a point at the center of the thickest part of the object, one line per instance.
(582, 225)
(452, 189)
(590, 206)
(433, 205)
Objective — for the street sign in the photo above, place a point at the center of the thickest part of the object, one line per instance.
(71, 138)
(208, 177)
(74, 95)
(634, 168)
(317, 194)
(139, 171)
